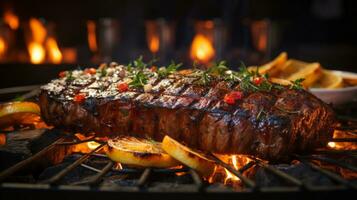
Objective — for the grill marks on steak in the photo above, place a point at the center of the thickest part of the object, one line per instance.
(269, 125)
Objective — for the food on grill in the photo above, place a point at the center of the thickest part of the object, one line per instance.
(282, 70)
(138, 152)
(217, 110)
(188, 156)
(17, 113)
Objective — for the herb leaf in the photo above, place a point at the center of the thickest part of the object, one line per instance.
(297, 84)
(165, 71)
(139, 79)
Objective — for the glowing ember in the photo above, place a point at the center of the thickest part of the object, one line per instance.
(202, 49)
(37, 52)
(343, 145)
(54, 53)
(92, 42)
(11, 19)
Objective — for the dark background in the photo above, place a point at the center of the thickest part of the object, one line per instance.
(311, 30)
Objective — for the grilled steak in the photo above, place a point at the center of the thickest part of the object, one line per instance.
(268, 124)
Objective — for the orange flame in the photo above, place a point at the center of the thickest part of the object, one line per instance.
(38, 30)
(3, 46)
(154, 43)
(35, 47)
(202, 49)
(11, 19)
(92, 42)
(54, 52)
(37, 52)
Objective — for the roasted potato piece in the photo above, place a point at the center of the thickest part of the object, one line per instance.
(329, 80)
(138, 152)
(188, 157)
(274, 67)
(17, 112)
(295, 69)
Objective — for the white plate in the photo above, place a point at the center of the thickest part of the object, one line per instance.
(340, 95)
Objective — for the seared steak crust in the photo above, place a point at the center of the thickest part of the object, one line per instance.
(270, 125)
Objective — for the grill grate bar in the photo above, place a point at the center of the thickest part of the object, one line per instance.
(144, 177)
(196, 179)
(345, 152)
(69, 168)
(331, 161)
(245, 180)
(279, 173)
(327, 173)
(97, 178)
(8, 172)
(344, 139)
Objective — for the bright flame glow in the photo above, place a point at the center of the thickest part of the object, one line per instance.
(37, 52)
(154, 43)
(3, 46)
(54, 52)
(92, 42)
(332, 144)
(11, 19)
(202, 49)
(35, 46)
(38, 30)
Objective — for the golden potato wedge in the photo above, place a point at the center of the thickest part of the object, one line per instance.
(274, 67)
(188, 157)
(17, 112)
(329, 80)
(295, 69)
(138, 152)
(280, 81)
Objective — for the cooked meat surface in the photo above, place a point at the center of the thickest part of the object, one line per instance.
(268, 124)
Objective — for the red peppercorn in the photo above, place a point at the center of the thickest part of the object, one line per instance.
(257, 80)
(79, 98)
(62, 74)
(229, 99)
(122, 87)
(91, 71)
(236, 95)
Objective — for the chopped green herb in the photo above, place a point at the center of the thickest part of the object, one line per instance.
(165, 71)
(69, 76)
(139, 79)
(297, 84)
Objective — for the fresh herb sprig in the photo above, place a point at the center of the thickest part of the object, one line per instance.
(297, 84)
(69, 76)
(139, 79)
(165, 71)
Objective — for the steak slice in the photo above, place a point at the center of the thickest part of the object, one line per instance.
(270, 125)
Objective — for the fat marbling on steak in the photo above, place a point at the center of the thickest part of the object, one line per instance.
(268, 124)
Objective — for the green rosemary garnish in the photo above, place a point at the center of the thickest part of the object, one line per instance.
(297, 84)
(165, 71)
(69, 76)
(139, 79)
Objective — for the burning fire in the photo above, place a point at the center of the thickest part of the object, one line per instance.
(154, 43)
(54, 53)
(41, 45)
(3, 46)
(221, 174)
(342, 145)
(202, 49)
(37, 52)
(11, 19)
(92, 42)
